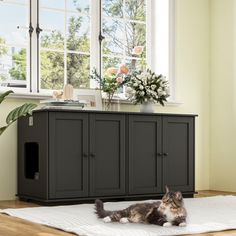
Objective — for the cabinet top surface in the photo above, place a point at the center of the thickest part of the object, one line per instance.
(110, 112)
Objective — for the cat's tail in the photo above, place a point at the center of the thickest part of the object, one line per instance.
(99, 209)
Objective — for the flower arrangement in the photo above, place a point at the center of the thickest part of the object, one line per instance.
(113, 79)
(146, 86)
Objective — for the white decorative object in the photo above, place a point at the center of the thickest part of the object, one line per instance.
(92, 98)
(68, 92)
(147, 107)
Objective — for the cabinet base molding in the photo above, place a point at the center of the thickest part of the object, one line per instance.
(80, 200)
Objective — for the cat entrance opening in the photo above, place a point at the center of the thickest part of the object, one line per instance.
(32, 160)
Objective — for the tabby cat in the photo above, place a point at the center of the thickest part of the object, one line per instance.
(169, 211)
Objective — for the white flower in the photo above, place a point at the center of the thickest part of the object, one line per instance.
(142, 93)
(135, 84)
(141, 87)
(153, 87)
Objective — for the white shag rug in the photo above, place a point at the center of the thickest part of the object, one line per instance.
(204, 215)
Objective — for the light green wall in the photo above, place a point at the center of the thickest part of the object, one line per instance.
(223, 95)
(192, 89)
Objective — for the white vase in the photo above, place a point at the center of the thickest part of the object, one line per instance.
(147, 107)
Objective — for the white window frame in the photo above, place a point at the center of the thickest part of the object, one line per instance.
(95, 47)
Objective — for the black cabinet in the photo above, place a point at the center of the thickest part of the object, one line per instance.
(160, 153)
(107, 152)
(82, 155)
(178, 153)
(68, 162)
(145, 166)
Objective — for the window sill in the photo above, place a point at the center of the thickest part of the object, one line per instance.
(31, 96)
(122, 100)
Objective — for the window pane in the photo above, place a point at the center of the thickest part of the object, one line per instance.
(113, 8)
(113, 31)
(135, 9)
(52, 70)
(78, 70)
(17, 1)
(78, 33)
(52, 24)
(13, 44)
(53, 40)
(13, 30)
(135, 64)
(78, 5)
(67, 32)
(12, 66)
(55, 4)
(135, 36)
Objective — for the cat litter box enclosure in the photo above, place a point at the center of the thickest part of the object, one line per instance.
(70, 155)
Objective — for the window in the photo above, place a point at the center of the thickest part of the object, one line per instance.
(45, 44)
(124, 29)
(65, 43)
(14, 42)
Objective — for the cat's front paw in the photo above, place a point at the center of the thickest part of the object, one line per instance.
(167, 224)
(107, 219)
(183, 224)
(124, 220)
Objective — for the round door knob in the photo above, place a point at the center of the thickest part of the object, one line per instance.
(165, 154)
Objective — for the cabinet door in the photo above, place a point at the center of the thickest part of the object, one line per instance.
(145, 165)
(107, 154)
(68, 161)
(178, 149)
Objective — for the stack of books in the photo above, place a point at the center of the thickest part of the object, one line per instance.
(62, 104)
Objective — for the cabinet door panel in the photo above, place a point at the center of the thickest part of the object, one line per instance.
(107, 159)
(178, 164)
(68, 166)
(145, 174)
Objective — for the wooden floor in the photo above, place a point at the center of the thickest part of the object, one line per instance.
(11, 226)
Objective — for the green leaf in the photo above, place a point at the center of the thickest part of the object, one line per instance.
(25, 109)
(2, 129)
(4, 95)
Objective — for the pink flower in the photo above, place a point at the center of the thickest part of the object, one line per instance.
(137, 50)
(124, 69)
(112, 71)
(119, 80)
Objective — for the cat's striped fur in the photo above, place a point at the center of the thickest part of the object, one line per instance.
(169, 211)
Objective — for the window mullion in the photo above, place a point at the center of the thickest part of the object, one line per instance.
(65, 45)
(94, 37)
(150, 33)
(34, 54)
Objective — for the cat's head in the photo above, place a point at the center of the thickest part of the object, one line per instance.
(172, 198)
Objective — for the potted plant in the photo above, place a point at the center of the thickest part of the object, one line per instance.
(23, 110)
(113, 79)
(146, 88)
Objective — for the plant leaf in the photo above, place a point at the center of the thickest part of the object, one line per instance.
(2, 129)
(25, 109)
(2, 96)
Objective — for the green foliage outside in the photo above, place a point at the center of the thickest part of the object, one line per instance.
(3, 49)
(18, 72)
